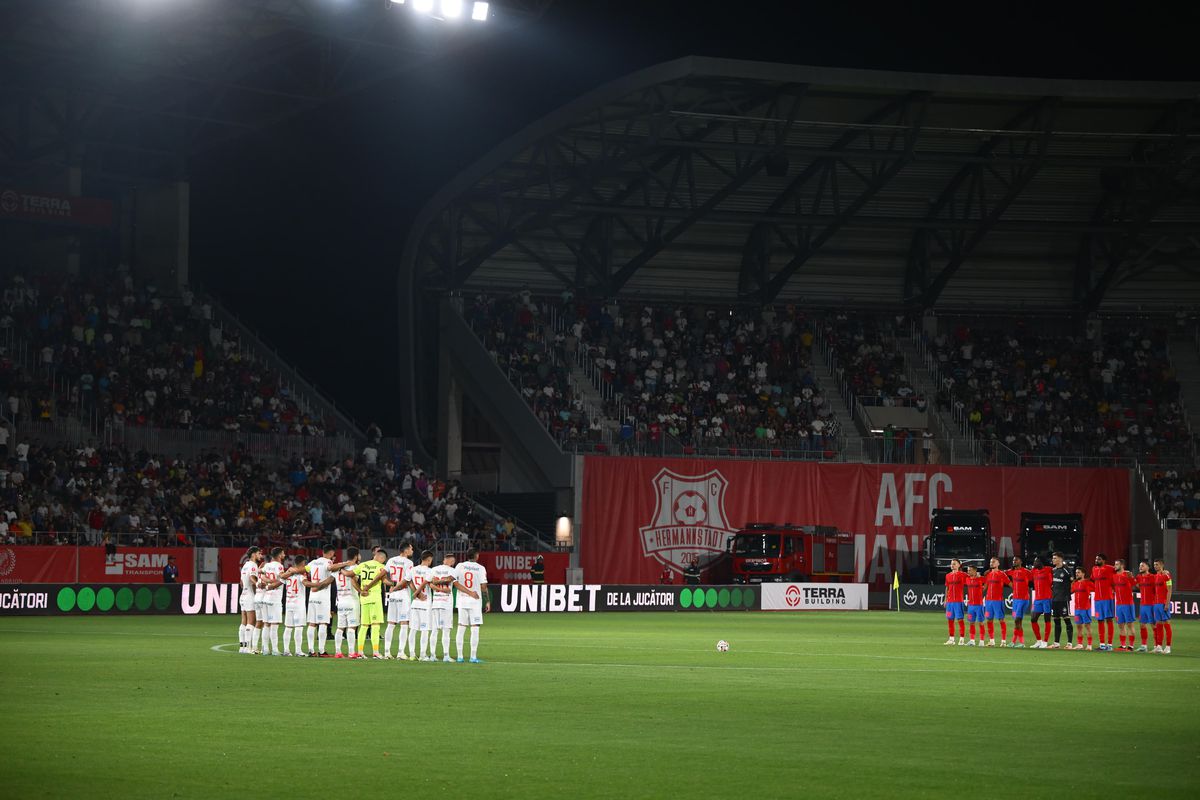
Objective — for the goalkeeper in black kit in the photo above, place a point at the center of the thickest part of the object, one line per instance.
(1060, 599)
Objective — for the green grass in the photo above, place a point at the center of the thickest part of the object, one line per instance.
(607, 705)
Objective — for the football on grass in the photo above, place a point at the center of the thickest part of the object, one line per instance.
(722, 646)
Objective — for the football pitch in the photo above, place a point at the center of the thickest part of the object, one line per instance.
(605, 705)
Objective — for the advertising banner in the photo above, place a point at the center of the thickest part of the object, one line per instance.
(1186, 573)
(96, 600)
(643, 514)
(35, 564)
(505, 567)
(548, 598)
(133, 564)
(814, 597)
(48, 207)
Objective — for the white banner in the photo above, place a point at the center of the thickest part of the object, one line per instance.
(814, 597)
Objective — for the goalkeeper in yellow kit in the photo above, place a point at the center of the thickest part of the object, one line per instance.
(370, 575)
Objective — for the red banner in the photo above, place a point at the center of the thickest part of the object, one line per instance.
(47, 207)
(504, 567)
(33, 564)
(1186, 574)
(134, 564)
(640, 514)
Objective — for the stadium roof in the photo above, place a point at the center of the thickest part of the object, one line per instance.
(132, 89)
(716, 178)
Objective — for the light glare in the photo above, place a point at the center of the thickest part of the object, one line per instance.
(424, 6)
(479, 12)
(452, 9)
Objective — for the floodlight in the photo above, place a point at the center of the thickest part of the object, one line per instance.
(424, 6)
(452, 9)
(479, 12)
(398, 2)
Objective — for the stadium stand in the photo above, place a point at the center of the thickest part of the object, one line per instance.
(55, 494)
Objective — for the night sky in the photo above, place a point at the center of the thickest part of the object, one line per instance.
(300, 230)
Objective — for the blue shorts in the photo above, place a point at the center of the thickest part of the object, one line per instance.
(974, 613)
(1083, 616)
(954, 611)
(1040, 607)
(1020, 608)
(1160, 613)
(1146, 616)
(994, 609)
(1103, 609)
(1125, 614)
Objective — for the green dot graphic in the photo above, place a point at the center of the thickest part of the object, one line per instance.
(685, 598)
(735, 597)
(105, 599)
(162, 598)
(748, 598)
(710, 597)
(86, 599)
(66, 598)
(723, 598)
(698, 598)
(143, 599)
(124, 598)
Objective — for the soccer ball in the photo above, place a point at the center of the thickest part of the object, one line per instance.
(722, 646)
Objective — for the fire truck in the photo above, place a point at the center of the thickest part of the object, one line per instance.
(769, 552)
(965, 534)
(1042, 534)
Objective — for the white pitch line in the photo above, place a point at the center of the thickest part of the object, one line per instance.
(560, 664)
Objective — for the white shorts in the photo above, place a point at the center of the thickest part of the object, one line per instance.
(246, 602)
(398, 607)
(318, 611)
(348, 613)
(260, 604)
(273, 612)
(443, 618)
(295, 615)
(419, 619)
(470, 616)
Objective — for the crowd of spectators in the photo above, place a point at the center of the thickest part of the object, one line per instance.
(69, 494)
(1177, 495)
(110, 348)
(1113, 395)
(517, 331)
(868, 359)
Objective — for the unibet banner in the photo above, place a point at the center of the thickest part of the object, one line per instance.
(643, 514)
(547, 598)
(814, 597)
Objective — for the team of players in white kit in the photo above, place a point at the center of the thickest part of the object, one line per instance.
(419, 600)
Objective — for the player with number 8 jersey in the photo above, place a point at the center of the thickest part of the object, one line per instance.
(472, 600)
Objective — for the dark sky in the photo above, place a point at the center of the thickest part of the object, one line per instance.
(308, 250)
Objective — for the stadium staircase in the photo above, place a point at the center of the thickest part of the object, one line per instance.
(950, 448)
(831, 390)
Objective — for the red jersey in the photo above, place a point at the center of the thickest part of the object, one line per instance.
(1148, 585)
(1123, 583)
(1043, 582)
(1020, 582)
(1083, 594)
(1161, 579)
(955, 581)
(974, 590)
(996, 580)
(1103, 576)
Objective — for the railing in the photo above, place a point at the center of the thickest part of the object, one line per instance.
(276, 447)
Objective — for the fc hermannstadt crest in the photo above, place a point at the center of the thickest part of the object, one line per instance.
(689, 520)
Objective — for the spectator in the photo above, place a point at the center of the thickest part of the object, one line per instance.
(537, 573)
(171, 571)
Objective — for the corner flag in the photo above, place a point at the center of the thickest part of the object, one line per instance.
(896, 588)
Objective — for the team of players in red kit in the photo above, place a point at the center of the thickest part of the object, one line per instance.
(1105, 596)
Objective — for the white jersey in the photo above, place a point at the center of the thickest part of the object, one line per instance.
(270, 572)
(473, 576)
(318, 570)
(249, 578)
(295, 590)
(398, 568)
(441, 599)
(420, 577)
(345, 588)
